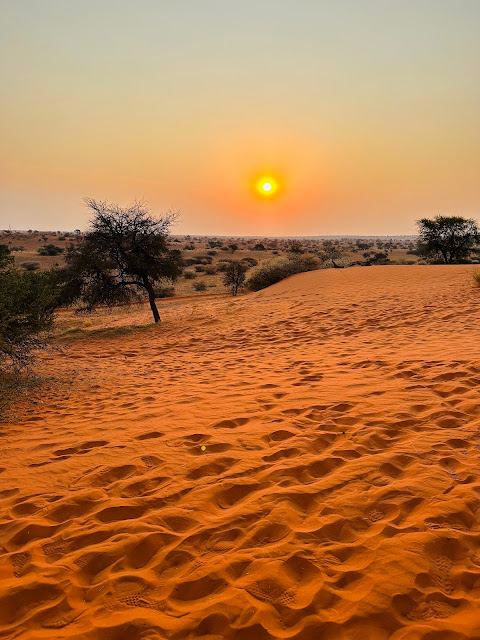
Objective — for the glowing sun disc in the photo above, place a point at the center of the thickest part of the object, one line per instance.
(266, 186)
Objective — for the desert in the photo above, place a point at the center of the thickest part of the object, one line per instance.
(298, 462)
(239, 320)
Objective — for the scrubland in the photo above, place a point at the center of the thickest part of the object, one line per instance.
(204, 256)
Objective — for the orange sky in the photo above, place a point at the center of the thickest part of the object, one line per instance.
(367, 113)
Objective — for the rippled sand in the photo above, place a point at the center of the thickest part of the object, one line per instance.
(303, 462)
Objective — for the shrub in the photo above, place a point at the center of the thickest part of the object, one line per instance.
(476, 278)
(164, 291)
(50, 250)
(272, 271)
(200, 286)
(189, 275)
(27, 305)
(377, 258)
(30, 266)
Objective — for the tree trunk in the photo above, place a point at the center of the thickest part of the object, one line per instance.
(151, 298)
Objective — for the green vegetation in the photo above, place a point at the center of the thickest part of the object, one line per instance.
(28, 301)
(447, 239)
(272, 271)
(50, 250)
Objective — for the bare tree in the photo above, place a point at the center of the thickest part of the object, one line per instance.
(234, 275)
(124, 253)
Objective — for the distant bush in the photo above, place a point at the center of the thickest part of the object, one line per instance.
(210, 270)
(164, 291)
(272, 271)
(476, 278)
(223, 265)
(50, 250)
(200, 286)
(377, 258)
(189, 275)
(30, 266)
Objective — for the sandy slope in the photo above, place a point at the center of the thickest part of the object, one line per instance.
(337, 497)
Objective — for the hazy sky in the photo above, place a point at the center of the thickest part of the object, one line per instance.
(366, 112)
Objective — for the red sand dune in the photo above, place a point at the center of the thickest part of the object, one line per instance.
(303, 462)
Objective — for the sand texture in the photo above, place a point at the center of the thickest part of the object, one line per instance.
(302, 462)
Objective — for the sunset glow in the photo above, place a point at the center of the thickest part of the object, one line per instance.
(267, 186)
(344, 131)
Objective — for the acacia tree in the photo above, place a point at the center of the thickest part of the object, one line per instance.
(123, 254)
(449, 238)
(234, 275)
(332, 253)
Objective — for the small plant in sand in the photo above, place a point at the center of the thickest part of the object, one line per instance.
(123, 255)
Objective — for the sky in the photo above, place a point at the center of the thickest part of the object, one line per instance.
(364, 115)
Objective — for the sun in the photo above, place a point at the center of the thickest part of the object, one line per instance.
(267, 186)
